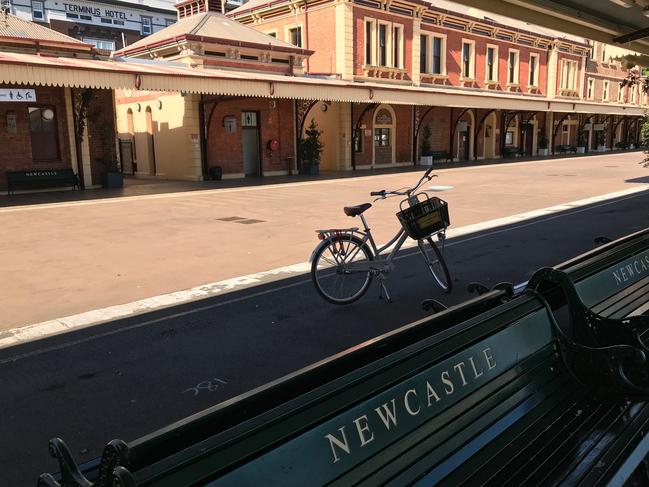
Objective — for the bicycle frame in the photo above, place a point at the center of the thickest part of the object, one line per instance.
(386, 262)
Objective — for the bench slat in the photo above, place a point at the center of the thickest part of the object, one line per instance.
(611, 306)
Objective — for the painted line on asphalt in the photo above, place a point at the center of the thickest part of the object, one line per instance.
(83, 320)
(216, 191)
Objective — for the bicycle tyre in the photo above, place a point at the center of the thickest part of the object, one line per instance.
(318, 274)
(436, 264)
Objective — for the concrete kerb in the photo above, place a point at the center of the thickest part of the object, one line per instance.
(79, 321)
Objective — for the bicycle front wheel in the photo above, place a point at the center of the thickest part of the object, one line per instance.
(340, 269)
(436, 264)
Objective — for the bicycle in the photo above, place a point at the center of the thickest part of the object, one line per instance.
(355, 263)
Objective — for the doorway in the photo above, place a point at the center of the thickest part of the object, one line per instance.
(127, 156)
(250, 144)
(528, 139)
(150, 142)
(463, 145)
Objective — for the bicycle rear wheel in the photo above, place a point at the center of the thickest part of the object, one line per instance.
(339, 269)
(436, 263)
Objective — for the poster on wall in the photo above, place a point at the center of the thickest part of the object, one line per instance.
(17, 95)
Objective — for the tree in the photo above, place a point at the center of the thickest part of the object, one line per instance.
(311, 145)
(644, 140)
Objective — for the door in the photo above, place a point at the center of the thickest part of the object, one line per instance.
(463, 152)
(127, 156)
(528, 139)
(250, 144)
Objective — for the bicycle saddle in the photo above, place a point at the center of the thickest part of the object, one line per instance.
(356, 210)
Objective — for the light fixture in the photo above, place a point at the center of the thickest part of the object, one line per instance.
(47, 114)
(623, 3)
(645, 12)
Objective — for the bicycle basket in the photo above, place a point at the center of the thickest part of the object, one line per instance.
(424, 218)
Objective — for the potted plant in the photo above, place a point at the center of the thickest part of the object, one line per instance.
(601, 141)
(581, 141)
(425, 156)
(311, 148)
(111, 176)
(543, 143)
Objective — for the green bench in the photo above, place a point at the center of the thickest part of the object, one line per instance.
(441, 155)
(41, 178)
(607, 294)
(512, 152)
(457, 399)
(565, 149)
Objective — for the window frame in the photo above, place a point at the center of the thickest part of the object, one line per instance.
(515, 72)
(95, 40)
(372, 41)
(42, 106)
(425, 53)
(442, 54)
(471, 76)
(397, 46)
(387, 26)
(41, 11)
(570, 78)
(590, 89)
(535, 72)
(288, 34)
(496, 61)
(150, 26)
(380, 132)
(606, 88)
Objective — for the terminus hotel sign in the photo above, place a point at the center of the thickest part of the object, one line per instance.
(74, 8)
(330, 449)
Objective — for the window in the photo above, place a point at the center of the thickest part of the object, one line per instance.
(38, 11)
(468, 60)
(605, 91)
(382, 137)
(383, 45)
(397, 46)
(534, 70)
(513, 78)
(370, 29)
(107, 44)
(568, 75)
(295, 36)
(169, 22)
(423, 53)
(439, 56)
(632, 90)
(591, 89)
(44, 134)
(620, 92)
(603, 53)
(147, 26)
(492, 64)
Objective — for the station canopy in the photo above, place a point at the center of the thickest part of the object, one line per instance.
(624, 23)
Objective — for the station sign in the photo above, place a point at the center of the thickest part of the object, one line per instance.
(17, 95)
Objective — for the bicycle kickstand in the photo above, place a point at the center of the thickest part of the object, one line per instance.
(384, 290)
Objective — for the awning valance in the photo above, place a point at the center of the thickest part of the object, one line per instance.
(30, 69)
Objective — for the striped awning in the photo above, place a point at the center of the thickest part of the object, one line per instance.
(31, 69)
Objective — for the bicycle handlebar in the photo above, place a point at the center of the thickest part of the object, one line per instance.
(384, 194)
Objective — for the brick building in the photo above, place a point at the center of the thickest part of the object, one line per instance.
(376, 78)
(37, 120)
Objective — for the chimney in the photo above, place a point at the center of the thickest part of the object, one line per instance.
(187, 8)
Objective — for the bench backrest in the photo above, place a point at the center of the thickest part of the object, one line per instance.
(465, 385)
(40, 174)
(611, 269)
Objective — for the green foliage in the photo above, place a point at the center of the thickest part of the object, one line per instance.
(543, 139)
(425, 141)
(581, 137)
(644, 140)
(311, 146)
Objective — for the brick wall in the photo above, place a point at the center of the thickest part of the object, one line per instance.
(226, 150)
(101, 133)
(16, 153)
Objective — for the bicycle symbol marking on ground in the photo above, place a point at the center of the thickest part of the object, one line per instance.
(206, 385)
